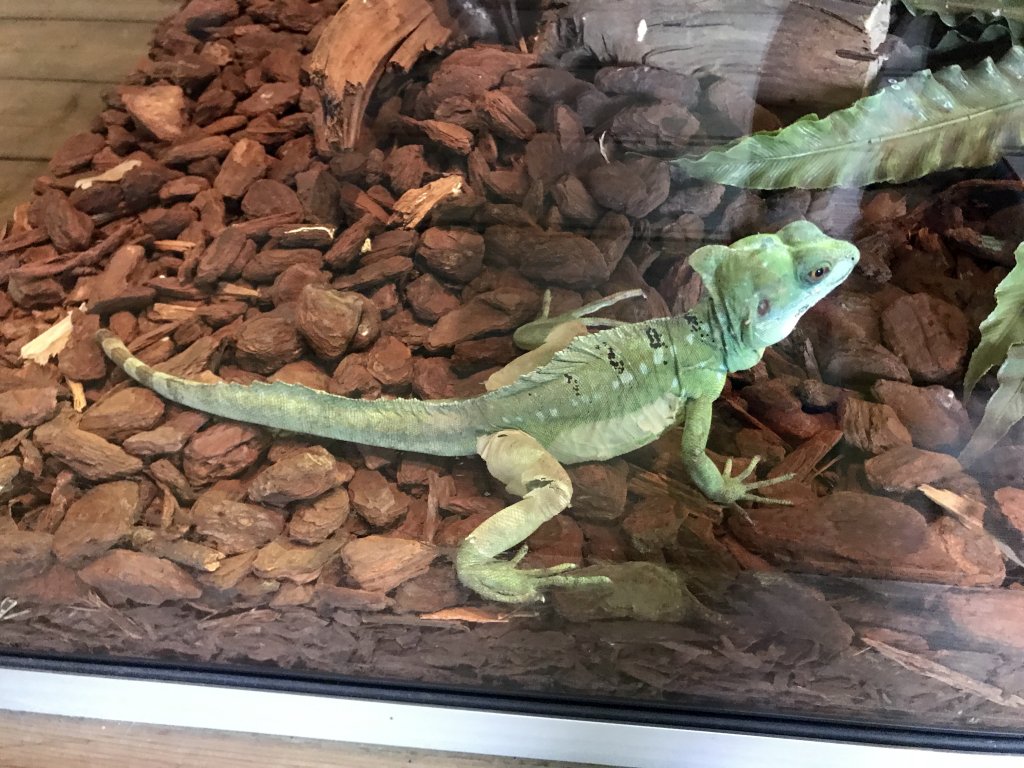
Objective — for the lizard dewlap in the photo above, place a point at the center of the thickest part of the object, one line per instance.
(600, 395)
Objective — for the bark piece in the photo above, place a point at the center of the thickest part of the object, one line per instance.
(218, 257)
(902, 469)
(315, 522)
(160, 109)
(775, 402)
(557, 541)
(428, 299)
(268, 264)
(793, 610)
(929, 335)
(381, 563)
(653, 526)
(377, 500)
(282, 559)
(200, 15)
(360, 43)
(216, 147)
(266, 197)
(123, 414)
(651, 82)
(169, 437)
(75, 153)
(415, 204)
(298, 476)
(435, 590)
(385, 270)
(634, 187)
(246, 163)
(89, 455)
(180, 551)
(390, 362)
(474, 319)
(858, 362)
(453, 254)
(505, 118)
(872, 427)
(663, 127)
(562, 258)
(24, 555)
(101, 518)
(266, 343)
(272, 98)
(328, 319)
(599, 489)
(28, 407)
(68, 228)
(856, 534)
(122, 576)
(1011, 504)
(574, 201)
(235, 527)
(221, 451)
(933, 415)
(346, 599)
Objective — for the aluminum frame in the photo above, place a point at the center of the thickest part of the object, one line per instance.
(446, 728)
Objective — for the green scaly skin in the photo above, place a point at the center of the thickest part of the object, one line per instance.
(603, 395)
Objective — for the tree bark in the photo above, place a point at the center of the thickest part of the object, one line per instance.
(795, 53)
(358, 45)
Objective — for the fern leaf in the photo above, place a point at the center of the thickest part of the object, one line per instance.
(1004, 325)
(930, 122)
(1004, 409)
(953, 11)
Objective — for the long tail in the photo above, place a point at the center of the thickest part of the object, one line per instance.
(437, 427)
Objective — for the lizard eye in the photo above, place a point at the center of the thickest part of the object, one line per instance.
(764, 307)
(818, 273)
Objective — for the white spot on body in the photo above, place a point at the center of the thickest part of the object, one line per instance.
(613, 436)
(641, 30)
(643, 368)
(626, 377)
(553, 411)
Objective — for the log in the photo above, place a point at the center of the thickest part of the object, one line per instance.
(359, 44)
(808, 55)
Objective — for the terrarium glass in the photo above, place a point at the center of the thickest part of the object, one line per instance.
(369, 199)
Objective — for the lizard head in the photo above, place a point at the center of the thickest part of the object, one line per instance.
(763, 284)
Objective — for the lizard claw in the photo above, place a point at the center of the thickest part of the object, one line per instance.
(501, 581)
(738, 488)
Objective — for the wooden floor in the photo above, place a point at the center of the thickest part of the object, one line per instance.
(56, 58)
(43, 741)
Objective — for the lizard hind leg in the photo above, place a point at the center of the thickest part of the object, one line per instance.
(527, 470)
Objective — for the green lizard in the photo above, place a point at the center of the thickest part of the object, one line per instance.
(602, 395)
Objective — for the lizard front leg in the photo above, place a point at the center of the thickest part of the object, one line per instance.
(718, 486)
(528, 470)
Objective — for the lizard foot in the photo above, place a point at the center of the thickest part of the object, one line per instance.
(736, 489)
(501, 581)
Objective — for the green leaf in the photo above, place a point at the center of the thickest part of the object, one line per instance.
(1004, 409)
(952, 12)
(929, 122)
(1004, 325)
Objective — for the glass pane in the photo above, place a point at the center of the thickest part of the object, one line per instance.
(761, 398)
